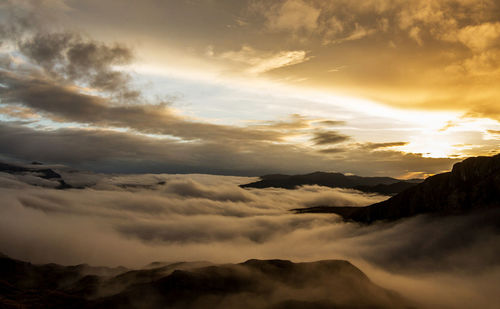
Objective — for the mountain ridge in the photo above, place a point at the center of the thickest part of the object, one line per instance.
(471, 184)
(382, 185)
(251, 284)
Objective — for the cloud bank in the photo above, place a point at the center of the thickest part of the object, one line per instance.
(135, 219)
(68, 98)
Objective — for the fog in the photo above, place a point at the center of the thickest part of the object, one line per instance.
(132, 220)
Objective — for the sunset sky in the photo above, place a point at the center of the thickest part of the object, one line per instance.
(374, 87)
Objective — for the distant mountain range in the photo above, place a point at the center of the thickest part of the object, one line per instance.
(252, 284)
(381, 185)
(35, 169)
(471, 185)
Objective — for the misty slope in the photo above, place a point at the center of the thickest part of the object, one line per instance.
(472, 184)
(24, 285)
(36, 170)
(60, 177)
(383, 185)
(252, 284)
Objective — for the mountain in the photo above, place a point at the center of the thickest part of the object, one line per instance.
(59, 177)
(383, 185)
(64, 177)
(252, 284)
(472, 184)
(35, 170)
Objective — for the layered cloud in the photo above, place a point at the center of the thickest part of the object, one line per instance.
(67, 103)
(419, 54)
(69, 98)
(460, 37)
(328, 137)
(62, 91)
(108, 150)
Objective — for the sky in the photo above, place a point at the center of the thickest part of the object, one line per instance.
(376, 87)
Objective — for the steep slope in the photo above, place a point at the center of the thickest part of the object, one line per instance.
(472, 184)
(387, 189)
(25, 285)
(260, 284)
(252, 284)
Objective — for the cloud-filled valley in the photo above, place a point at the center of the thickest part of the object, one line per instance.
(132, 220)
(154, 119)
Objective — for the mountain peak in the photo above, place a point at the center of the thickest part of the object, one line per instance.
(472, 184)
(476, 167)
(382, 185)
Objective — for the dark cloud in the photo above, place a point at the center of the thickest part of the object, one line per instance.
(333, 150)
(443, 44)
(68, 56)
(67, 103)
(374, 146)
(330, 123)
(134, 219)
(295, 122)
(47, 49)
(69, 78)
(71, 63)
(328, 137)
(15, 21)
(125, 152)
(107, 150)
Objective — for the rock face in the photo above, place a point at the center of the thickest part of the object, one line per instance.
(472, 184)
(383, 185)
(252, 284)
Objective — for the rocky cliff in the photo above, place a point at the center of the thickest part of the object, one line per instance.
(472, 184)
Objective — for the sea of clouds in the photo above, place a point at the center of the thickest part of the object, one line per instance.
(132, 220)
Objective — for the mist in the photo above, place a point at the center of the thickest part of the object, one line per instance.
(133, 220)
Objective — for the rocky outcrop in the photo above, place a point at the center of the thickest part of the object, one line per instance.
(252, 284)
(472, 184)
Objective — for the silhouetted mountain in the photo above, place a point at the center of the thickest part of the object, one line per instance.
(45, 173)
(24, 285)
(389, 189)
(383, 185)
(472, 184)
(252, 284)
(36, 171)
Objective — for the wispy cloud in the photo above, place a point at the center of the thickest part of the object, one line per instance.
(261, 61)
(328, 137)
